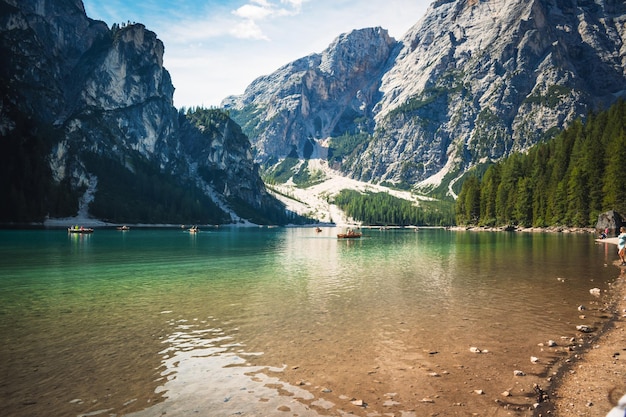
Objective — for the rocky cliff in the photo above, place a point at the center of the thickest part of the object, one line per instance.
(469, 83)
(315, 97)
(93, 105)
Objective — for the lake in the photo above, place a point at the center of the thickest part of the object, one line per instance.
(287, 321)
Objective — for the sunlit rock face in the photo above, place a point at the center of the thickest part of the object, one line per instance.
(317, 96)
(104, 91)
(471, 81)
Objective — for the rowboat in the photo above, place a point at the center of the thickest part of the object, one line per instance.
(81, 229)
(194, 229)
(349, 235)
(123, 227)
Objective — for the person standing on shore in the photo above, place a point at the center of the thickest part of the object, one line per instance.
(621, 245)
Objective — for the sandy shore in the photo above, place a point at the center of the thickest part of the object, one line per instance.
(592, 382)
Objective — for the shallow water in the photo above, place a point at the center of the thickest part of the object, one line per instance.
(257, 321)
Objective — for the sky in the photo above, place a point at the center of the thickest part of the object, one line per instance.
(216, 48)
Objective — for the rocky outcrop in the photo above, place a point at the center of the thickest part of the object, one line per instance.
(85, 93)
(470, 83)
(610, 221)
(321, 95)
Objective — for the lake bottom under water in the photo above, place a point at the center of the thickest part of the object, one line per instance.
(240, 321)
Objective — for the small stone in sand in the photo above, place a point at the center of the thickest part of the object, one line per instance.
(584, 328)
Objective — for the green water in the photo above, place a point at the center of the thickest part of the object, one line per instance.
(112, 322)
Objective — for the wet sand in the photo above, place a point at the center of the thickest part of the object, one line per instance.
(584, 375)
(593, 382)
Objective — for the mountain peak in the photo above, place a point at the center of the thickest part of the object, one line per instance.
(470, 82)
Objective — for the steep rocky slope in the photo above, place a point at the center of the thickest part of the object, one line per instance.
(91, 109)
(317, 96)
(471, 82)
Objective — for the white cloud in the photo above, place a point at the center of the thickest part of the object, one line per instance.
(297, 4)
(248, 29)
(254, 12)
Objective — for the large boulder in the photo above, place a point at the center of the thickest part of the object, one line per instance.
(611, 220)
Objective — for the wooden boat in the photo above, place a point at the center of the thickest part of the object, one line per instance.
(81, 229)
(194, 229)
(349, 235)
(318, 230)
(123, 227)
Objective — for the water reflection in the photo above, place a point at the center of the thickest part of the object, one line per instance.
(206, 371)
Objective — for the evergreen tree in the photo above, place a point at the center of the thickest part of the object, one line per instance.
(614, 187)
(567, 181)
(468, 209)
(488, 193)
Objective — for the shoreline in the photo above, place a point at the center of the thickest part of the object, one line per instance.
(591, 381)
(551, 229)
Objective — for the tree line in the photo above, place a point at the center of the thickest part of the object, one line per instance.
(383, 209)
(567, 181)
(28, 190)
(147, 195)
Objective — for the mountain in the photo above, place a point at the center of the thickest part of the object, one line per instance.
(314, 97)
(87, 123)
(468, 84)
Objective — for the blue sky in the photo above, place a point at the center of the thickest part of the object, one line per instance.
(217, 48)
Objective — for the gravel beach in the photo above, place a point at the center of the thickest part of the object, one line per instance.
(592, 382)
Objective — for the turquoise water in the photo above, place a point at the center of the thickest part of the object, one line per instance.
(149, 319)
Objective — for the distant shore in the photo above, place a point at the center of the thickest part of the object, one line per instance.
(551, 229)
(91, 222)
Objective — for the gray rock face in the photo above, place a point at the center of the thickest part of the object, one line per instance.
(105, 92)
(610, 220)
(321, 95)
(471, 82)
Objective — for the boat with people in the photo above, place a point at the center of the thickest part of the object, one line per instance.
(123, 228)
(350, 234)
(194, 229)
(79, 229)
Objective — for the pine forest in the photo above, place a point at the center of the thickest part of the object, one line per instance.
(567, 181)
